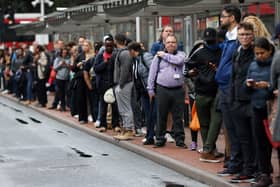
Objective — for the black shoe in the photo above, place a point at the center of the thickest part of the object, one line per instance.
(160, 143)
(227, 172)
(181, 145)
(149, 142)
(52, 108)
(263, 180)
(242, 179)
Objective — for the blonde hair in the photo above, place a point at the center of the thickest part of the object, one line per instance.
(260, 29)
(91, 53)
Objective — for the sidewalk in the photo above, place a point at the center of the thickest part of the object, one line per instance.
(183, 161)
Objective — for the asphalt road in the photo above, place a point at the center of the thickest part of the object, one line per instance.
(37, 151)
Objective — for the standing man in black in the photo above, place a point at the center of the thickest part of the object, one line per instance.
(240, 100)
(104, 69)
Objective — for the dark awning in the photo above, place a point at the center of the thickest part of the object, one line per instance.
(124, 7)
(83, 12)
(176, 2)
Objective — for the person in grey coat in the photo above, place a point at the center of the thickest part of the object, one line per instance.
(275, 83)
(123, 89)
(61, 66)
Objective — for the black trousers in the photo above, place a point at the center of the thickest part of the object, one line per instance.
(170, 100)
(263, 146)
(60, 93)
(81, 99)
(42, 91)
(93, 98)
(242, 120)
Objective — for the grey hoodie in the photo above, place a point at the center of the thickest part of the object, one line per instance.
(123, 68)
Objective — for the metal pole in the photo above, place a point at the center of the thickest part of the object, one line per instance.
(277, 12)
(138, 29)
(42, 6)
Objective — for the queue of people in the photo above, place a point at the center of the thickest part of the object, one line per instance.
(229, 81)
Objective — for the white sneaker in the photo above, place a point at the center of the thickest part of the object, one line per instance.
(90, 118)
(97, 124)
(143, 140)
(169, 138)
(76, 116)
(200, 150)
(5, 92)
(144, 130)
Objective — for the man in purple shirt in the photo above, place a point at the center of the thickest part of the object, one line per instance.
(166, 76)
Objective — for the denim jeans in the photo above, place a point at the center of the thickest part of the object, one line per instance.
(29, 79)
(149, 108)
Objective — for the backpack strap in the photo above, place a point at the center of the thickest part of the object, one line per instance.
(144, 62)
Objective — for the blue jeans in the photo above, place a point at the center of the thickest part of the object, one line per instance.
(29, 78)
(150, 115)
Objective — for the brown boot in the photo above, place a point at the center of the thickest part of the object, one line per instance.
(125, 135)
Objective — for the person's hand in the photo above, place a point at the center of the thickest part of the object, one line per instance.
(151, 96)
(36, 57)
(117, 89)
(61, 63)
(276, 92)
(79, 64)
(106, 60)
(262, 84)
(193, 72)
(160, 54)
(250, 83)
(90, 88)
(212, 66)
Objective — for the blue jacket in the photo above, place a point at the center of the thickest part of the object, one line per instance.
(259, 71)
(159, 46)
(224, 70)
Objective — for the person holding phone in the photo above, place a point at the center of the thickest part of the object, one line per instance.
(258, 85)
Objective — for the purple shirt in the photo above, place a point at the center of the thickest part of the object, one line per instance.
(171, 71)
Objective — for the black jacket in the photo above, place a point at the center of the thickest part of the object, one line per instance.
(205, 83)
(241, 62)
(104, 73)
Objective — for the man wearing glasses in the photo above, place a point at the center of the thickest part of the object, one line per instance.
(230, 18)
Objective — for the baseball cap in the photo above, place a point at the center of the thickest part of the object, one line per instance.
(108, 36)
(210, 34)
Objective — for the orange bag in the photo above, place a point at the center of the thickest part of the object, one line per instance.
(194, 125)
(52, 76)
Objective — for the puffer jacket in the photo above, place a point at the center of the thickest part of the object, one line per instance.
(259, 71)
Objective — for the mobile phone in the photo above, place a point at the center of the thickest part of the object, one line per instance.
(250, 80)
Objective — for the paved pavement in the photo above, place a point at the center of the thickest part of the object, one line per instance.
(183, 161)
(38, 151)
